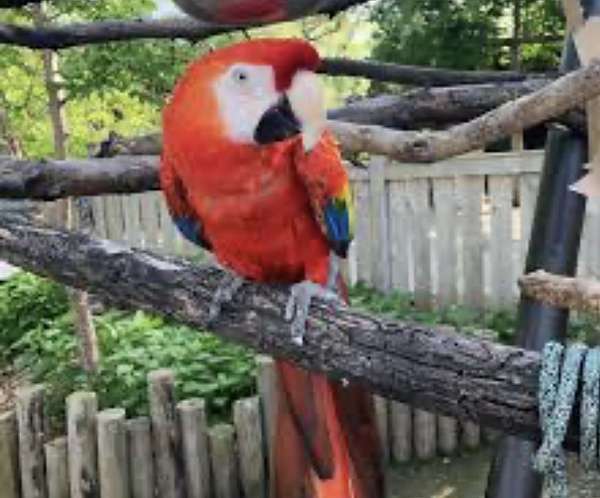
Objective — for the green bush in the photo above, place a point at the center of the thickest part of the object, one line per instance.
(131, 345)
(26, 301)
(401, 306)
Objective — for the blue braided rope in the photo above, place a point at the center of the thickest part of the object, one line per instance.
(556, 398)
(589, 411)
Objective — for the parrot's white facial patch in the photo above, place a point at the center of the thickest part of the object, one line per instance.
(245, 92)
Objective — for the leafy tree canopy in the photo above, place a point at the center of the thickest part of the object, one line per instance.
(467, 34)
(122, 86)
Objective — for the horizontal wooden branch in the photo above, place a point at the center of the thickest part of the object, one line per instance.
(435, 370)
(72, 35)
(49, 180)
(443, 106)
(54, 179)
(419, 76)
(554, 99)
(579, 294)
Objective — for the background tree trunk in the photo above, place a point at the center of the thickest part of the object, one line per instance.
(66, 214)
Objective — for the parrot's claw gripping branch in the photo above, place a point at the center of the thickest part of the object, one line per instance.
(228, 286)
(298, 305)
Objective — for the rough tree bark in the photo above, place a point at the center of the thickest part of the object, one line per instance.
(49, 179)
(436, 108)
(84, 325)
(491, 384)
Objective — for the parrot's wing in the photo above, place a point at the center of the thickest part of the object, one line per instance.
(183, 214)
(327, 183)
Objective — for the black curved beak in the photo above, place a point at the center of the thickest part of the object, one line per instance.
(277, 124)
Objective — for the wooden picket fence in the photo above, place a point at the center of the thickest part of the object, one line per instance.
(453, 232)
(173, 453)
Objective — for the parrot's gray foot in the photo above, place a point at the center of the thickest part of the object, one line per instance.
(228, 286)
(296, 311)
(334, 271)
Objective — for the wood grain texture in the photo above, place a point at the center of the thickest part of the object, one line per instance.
(113, 462)
(9, 456)
(401, 431)
(501, 243)
(425, 434)
(139, 443)
(191, 414)
(223, 462)
(165, 434)
(379, 218)
(445, 247)
(32, 426)
(470, 198)
(250, 447)
(57, 468)
(82, 408)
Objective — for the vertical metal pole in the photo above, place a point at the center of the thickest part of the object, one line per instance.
(554, 245)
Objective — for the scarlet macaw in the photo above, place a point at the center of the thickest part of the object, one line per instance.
(250, 172)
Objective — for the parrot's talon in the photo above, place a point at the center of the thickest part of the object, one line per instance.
(226, 289)
(296, 310)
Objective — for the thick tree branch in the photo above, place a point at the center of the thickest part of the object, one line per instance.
(567, 92)
(558, 98)
(418, 76)
(71, 35)
(563, 292)
(440, 107)
(491, 384)
(49, 180)
(55, 179)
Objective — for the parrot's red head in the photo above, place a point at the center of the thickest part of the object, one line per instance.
(238, 95)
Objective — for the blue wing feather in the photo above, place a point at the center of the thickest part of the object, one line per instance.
(337, 224)
(191, 229)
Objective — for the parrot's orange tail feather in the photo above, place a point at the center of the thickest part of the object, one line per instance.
(326, 440)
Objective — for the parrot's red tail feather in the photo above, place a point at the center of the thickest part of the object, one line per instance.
(334, 451)
(326, 439)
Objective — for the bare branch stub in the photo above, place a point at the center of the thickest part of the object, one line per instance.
(431, 369)
(580, 294)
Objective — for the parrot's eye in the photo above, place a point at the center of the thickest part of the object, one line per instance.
(240, 75)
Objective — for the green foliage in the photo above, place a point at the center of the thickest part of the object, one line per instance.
(401, 306)
(444, 33)
(498, 325)
(465, 34)
(130, 347)
(27, 302)
(37, 334)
